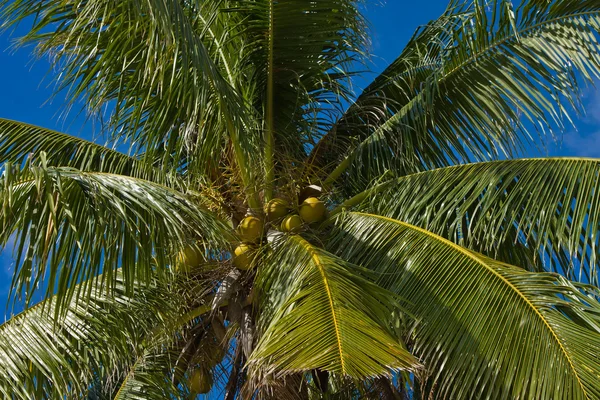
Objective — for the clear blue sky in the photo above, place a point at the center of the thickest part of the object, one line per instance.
(26, 87)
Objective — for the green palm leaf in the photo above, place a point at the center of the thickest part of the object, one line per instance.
(469, 87)
(43, 358)
(149, 59)
(145, 379)
(301, 90)
(321, 312)
(19, 141)
(483, 328)
(93, 222)
(548, 205)
(157, 372)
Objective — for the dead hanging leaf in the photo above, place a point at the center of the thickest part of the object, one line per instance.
(247, 330)
(228, 287)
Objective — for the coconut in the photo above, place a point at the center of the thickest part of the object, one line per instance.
(312, 210)
(192, 255)
(291, 223)
(242, 259)
(250, 229)
(189, 257)
(201, 381)
(276, 209)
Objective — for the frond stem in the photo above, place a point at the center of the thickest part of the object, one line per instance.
(404, 110)
(269, 118)
(315, 257)
(493, 272)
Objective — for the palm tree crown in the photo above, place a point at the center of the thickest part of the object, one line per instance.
(271, 234)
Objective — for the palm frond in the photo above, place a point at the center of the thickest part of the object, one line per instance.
(474, 85)
(20, 141)
(172, 354)
(320, 312)
(548, 208)
(303, 53)
(70, 225)
(483, 328)
(150, 60)
(146, 379)
(44, 358)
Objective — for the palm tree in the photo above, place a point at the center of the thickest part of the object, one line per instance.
(427, 261)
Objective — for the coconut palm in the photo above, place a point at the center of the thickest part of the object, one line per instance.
(271, 234)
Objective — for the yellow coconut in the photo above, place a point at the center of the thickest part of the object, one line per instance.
(242, 257)
(312, 210)
(192, 255)
(291, 223)
(201, 381)
(250, 229)
(276, 209)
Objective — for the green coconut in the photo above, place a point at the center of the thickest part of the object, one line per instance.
(312, 210)
(201, 381)
(276, 209)
(189, 257)
(241, 258)
(250, 229)
(192, 255)
(291, 223)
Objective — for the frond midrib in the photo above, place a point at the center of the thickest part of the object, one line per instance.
(220, 50)
(270, 107)
(74, 138)
(509, 161)
(25, 312)
(107, 174)
(315, 258)
(514, 36)
(132, 369)
(408, 106)
(93, 174)
(493, 273)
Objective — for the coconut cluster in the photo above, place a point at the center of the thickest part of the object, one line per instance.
(311, 210)
(251, 230)
(279, 214)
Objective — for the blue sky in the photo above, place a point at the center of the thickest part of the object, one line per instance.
(26, 86)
